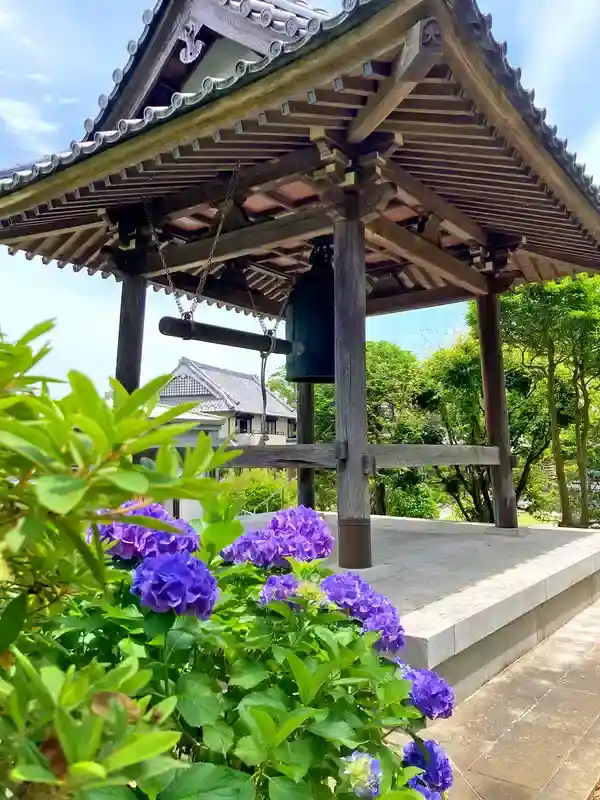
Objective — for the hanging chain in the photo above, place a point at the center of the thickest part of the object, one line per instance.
(225, 209)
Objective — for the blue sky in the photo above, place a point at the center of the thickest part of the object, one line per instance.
(53, 67)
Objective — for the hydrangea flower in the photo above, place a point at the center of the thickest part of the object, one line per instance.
(428, 794)
(430, 693)
(298, 533)
(134, 541)
(364, 774)
(350, 592)
(176, 582)
(278, 587)
(437, 771)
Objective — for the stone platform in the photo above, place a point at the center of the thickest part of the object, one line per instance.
(474, 600)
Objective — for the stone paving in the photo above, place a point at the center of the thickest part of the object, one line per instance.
(534, 730)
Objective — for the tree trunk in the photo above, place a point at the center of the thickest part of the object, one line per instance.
(380, 506)
(582, 452)
(559, 461)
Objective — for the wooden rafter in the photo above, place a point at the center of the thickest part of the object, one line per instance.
(415, 193)
(425, 254)
(421, 50)
(243, 242)
(53, 228)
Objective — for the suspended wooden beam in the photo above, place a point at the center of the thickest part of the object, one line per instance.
(249, 179)
(215, 334)
(415, 193)
(421, 50)
(425, 254)
(264, 235)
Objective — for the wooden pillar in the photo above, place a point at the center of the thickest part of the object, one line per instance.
(131, 331)
(496, 411)
(354, 524)
(305, 434)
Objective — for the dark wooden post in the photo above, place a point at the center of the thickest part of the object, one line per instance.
(131, 331)
(354, 523)
(496, 411)
(305, 434)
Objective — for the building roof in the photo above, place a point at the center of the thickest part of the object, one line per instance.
(201, 418)
(468, 134)
(235, 391)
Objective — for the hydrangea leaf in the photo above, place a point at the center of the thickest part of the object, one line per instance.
(294, 759)
(286, 789)
(336, 731)
(197, 702)
(250, 751)
(218, 737)
(60, 493)
(210, 782)
(141, 748)
(248, 674)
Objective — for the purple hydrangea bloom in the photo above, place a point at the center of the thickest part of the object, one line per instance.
(437, 771)
(430, 693)
(428, 794)
(374, 610)
(278, 587)
(298, 533)
(134, 541)
(176, 582)
(364, 774)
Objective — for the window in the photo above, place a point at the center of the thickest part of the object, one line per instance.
(271, 425)
(291, 431)
(243, 424)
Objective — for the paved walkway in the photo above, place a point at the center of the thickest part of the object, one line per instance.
(534, 730)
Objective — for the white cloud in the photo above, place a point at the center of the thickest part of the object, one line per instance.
(23, 121)
(40, 77)
(67, 101)
(555, 39)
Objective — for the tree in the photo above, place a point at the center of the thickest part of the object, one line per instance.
(556, 329)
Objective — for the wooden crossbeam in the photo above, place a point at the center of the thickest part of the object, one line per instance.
(249, 179)
(327, 456)
(415, 193)
(421, 50)
(423, 298)
(424, 254)
(264, 235)
(218, 291)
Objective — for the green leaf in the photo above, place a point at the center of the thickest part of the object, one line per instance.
(264, 727)
(197, 701)
(129, 481)
(210, 782)
(33, 773)
(36, 331)
(12, 620)
(60, 493)
(88, 769)
(250, 751)
(141, 748)
(69, 734)
(108, 793)
(336, 731)
(53, 679)
(292, 722)
(402, 794)
(309, 683)
(248, 674)
(294, 759)
(218, 737)
(286, 789)
(140, 397)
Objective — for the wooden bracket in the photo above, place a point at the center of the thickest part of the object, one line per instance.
(341, 451)
(369, 464)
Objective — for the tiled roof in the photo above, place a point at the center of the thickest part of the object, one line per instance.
(288, 19)
(242, 389)
(467, 12)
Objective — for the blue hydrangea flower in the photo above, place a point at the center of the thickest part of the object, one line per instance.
(374, 610)
(364, 774)
(430, 693)
(428, 794)
(178, 582)
(134, 541)
(298, 533)
(278, 587)
(437, 771)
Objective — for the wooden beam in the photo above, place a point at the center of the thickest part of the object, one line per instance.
(425, 254)
(131, 331)
(219, 291)
(496, 409)
(422, 48)
(288, 456)
(216, 334)
(56, 227)
(249, 179)
(376, 35)
(409, 301)
(305, 435)
(264, 235)
(354, 524)
(415, 193)
(471, 70)
(431, 455)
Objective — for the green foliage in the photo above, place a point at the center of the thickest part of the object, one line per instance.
(101, 698)
(257, 491)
